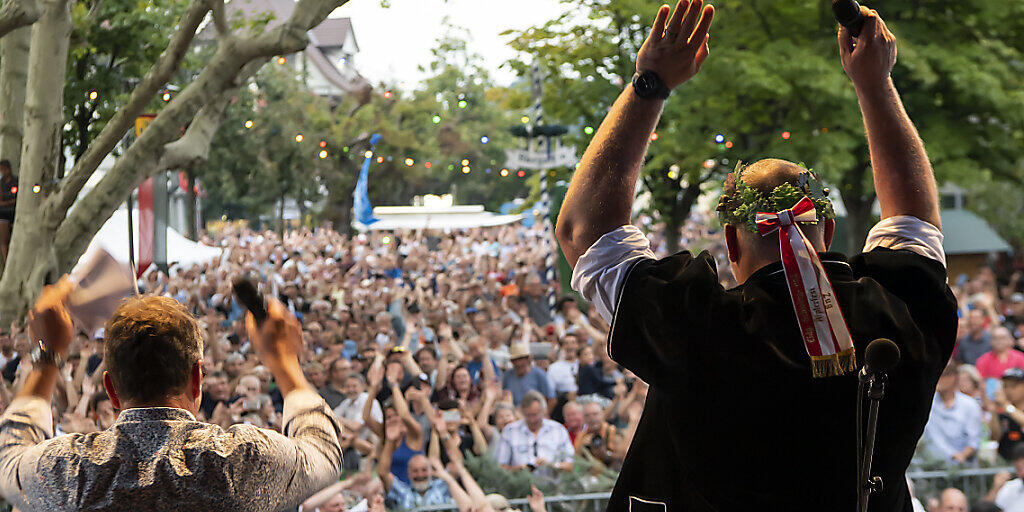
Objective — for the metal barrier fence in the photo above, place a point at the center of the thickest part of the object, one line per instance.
(973, 482)
(597, 499)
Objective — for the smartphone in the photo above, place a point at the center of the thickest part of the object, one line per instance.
(451, 415)
(251, 404)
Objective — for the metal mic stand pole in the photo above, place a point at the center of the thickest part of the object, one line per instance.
(868, 483)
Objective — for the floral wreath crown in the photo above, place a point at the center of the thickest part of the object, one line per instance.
(741, 205)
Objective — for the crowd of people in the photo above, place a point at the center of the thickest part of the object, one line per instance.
(434, 349)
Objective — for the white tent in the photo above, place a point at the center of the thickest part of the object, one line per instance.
(435, 217)
(113, 238)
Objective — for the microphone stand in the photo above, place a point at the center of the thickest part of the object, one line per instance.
(866, 483)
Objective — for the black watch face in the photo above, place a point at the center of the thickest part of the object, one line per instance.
(645, 84)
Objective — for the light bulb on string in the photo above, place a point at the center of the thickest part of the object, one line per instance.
(786, 135)
(93, 95)
(521, 173)
(465, 162)
(36, 188)
(654, 136)
(524, 119)
(167, 96)
(728, 144)
(368, 153)
(719, 138)
(380, 159)
(462, 103)
(387, 94)
(437, 119)
(248, 123)
(323, 154)
(409, 162)
(504, 172)
(465, 170)
(588, 130)
(427, 165)
(323, 143)
(298, 138)
(485, 139)
(280, 60)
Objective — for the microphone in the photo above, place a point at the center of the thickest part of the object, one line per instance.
(247, 294)
(881, 356)
(847, 13)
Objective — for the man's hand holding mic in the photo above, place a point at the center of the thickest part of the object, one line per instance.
(868, 59)
(278, 343)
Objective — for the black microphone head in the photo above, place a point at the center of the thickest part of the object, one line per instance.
(847, 13)
(250, 297)
(881, 356)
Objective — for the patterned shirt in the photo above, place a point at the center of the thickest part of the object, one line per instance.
(403, 496)
(161, 458)
(519, 446)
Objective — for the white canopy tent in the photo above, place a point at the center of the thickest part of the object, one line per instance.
(113, 238)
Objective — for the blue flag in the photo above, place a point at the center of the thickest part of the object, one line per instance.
(361, 197)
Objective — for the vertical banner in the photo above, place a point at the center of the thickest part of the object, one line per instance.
(361, 197)
(145, 210)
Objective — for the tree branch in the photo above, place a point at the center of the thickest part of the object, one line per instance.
(16, 14)
(235, 58)
(220, 21)
(124, 119)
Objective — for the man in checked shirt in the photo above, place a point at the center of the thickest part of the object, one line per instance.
(157, 456)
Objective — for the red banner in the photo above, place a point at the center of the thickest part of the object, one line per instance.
(145, 227)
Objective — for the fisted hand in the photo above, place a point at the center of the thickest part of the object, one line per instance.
(278, 338)
(869, 58)
(49, 321)
(676, 48)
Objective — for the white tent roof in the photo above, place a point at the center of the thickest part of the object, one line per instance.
(112, 237)
(435, 217)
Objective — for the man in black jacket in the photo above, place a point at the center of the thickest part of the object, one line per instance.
(764, 373)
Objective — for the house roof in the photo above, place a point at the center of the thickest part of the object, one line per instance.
(331, 33)
(966, 233)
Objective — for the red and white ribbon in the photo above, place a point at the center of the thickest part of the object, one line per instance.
(826, 336)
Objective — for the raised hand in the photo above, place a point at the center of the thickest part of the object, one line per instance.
(49, 321)
(868, 59)
(536, 500)
(676, 48)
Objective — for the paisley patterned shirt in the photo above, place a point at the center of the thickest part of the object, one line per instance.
(156, 459)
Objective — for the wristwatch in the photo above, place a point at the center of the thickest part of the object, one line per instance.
(649, 85)
(42, 355)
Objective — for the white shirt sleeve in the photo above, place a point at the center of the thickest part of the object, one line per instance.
(601, 271)
(907, 232)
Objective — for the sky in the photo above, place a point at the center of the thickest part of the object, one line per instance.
(395, 40)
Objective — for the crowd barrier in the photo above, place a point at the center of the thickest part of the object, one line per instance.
(594, 501)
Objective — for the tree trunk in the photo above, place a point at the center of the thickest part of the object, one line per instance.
(680, 212)
(13, 78)
(31, 262)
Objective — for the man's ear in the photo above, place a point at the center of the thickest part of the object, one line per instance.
(108, 384)
(196, 379)
(732, 243)
(830, 231)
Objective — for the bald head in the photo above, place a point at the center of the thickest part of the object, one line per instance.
(953, 500)
(749, 251)
(764, 175)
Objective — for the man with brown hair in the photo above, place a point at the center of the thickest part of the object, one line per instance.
(157, 456)
(763, 372)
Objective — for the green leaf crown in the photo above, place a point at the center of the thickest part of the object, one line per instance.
(741, 205)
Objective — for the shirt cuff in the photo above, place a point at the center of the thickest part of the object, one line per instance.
(300, 402)
(600, 273)
(907, 232)
(32, 410)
